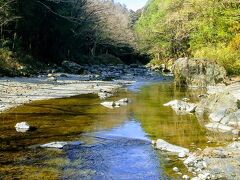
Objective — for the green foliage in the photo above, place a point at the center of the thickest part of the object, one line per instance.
(226, 56)
(200, 28)
(15, 64)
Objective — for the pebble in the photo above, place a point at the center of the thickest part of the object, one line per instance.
(175, 169)
(185, 177)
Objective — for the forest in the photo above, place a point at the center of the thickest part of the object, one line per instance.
(169, 29)
(37, 32)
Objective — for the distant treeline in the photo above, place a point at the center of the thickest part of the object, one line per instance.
(169, 29)
(50, 31)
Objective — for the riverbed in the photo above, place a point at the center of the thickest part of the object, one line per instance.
(115, 143)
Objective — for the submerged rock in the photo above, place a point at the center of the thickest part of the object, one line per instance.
(57, 145)
(182, 106)
(60, 145)
(116, 104)
(22, 127)
(165, 146)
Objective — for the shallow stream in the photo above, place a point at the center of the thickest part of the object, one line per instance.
(116, 142)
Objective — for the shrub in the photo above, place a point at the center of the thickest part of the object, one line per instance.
(226, 56)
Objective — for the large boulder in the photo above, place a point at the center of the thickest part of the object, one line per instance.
(72, 67)
(222, 106)
(197, 72)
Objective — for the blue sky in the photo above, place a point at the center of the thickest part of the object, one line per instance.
(133, 4)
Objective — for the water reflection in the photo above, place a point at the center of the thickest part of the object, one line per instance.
(162, 122)
(117, 141)
(121, 153)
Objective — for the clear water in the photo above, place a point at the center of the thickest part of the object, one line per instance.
(116, 142)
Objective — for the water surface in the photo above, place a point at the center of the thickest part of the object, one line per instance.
(116, 142)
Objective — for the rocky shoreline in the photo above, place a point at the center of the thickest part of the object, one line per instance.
(98, 79)
(218, 110)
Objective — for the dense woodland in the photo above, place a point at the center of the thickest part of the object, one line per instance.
(169, 29)
(37, 32)
(51, 31)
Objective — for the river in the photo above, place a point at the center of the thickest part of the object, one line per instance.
(116, 143)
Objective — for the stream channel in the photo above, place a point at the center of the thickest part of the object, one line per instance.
(114, 143)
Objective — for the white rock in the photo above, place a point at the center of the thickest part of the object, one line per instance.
(217, 116)
(165, 146)
(124, 100)
(190, 160)
(57, 145)
(22, 127)
(204, 164)
(219, 127)
(185, 177)
(224, 128)
(196, 178)
(183, 106)
(108, 104)
(61, 144)
(186, 99)
(182, 154)
(236, 132)
(52, 79)
(204, 176)
(235, 145)
(104, 95)
(175, 169)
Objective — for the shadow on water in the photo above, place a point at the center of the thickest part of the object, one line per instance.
(117, 143)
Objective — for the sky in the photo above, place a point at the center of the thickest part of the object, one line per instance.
(133, 4)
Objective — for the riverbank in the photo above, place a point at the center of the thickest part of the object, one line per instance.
(97, 79)
(218, 111)
(17, 91)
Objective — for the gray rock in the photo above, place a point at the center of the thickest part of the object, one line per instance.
(197, 72)
(190, 160)
(72, 67)
(218, 115)
(52, 79)
(122, 102)
(219, 127)
(181, 106)
(165, 146)
(235, 145)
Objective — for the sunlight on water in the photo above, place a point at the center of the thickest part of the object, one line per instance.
(117, 142)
